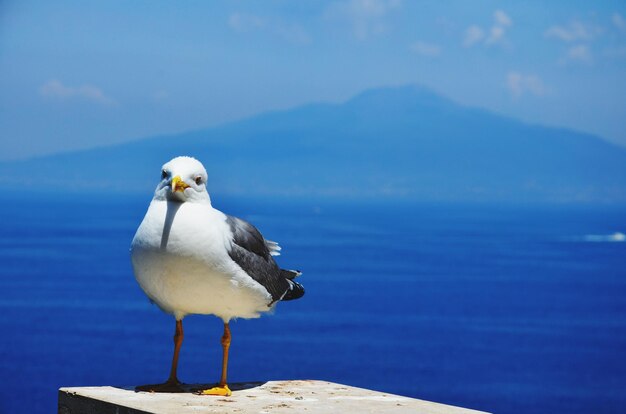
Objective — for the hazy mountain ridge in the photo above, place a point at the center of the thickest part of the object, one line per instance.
(391, 142)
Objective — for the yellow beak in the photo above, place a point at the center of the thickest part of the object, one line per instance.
(178, 184)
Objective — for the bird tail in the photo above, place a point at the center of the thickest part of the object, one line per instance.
(273, 247)
(290, 274)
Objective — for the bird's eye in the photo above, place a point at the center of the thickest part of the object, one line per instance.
(163, 174)
(198, 180)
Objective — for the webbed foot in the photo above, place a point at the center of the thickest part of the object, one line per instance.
(221, 390)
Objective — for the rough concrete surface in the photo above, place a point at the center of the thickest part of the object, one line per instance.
(308, 396)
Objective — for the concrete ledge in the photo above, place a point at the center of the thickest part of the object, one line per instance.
(269, 397)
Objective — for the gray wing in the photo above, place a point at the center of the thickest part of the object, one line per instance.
(254, 255)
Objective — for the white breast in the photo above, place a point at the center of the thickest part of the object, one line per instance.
(180, 258)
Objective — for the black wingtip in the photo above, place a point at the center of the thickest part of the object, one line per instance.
(296, 291)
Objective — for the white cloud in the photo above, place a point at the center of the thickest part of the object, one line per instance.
(473, 34)
(496, 34)
(501, 22)
(426, 49)
(502, 19)
(55, 89)
(618, 21)
(291, 32)
(575, 31)
(520, 84)
(580, 53)
(580, 36)
(366, 17)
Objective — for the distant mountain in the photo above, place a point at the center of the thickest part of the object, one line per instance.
(401, 142)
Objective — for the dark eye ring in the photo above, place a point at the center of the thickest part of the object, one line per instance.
(198, 180)
(163, 174)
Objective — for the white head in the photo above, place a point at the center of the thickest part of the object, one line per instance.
(183, 179)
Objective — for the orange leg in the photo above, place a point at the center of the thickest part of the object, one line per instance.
(225, 346)
(222, 388)
(172, 384)
(178, 341)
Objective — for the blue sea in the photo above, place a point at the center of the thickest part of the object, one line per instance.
(500, 308)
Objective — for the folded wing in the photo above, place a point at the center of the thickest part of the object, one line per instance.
(254, 255)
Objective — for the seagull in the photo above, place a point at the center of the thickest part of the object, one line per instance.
(190, 258)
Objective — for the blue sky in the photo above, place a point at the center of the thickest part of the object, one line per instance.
(83, 74)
